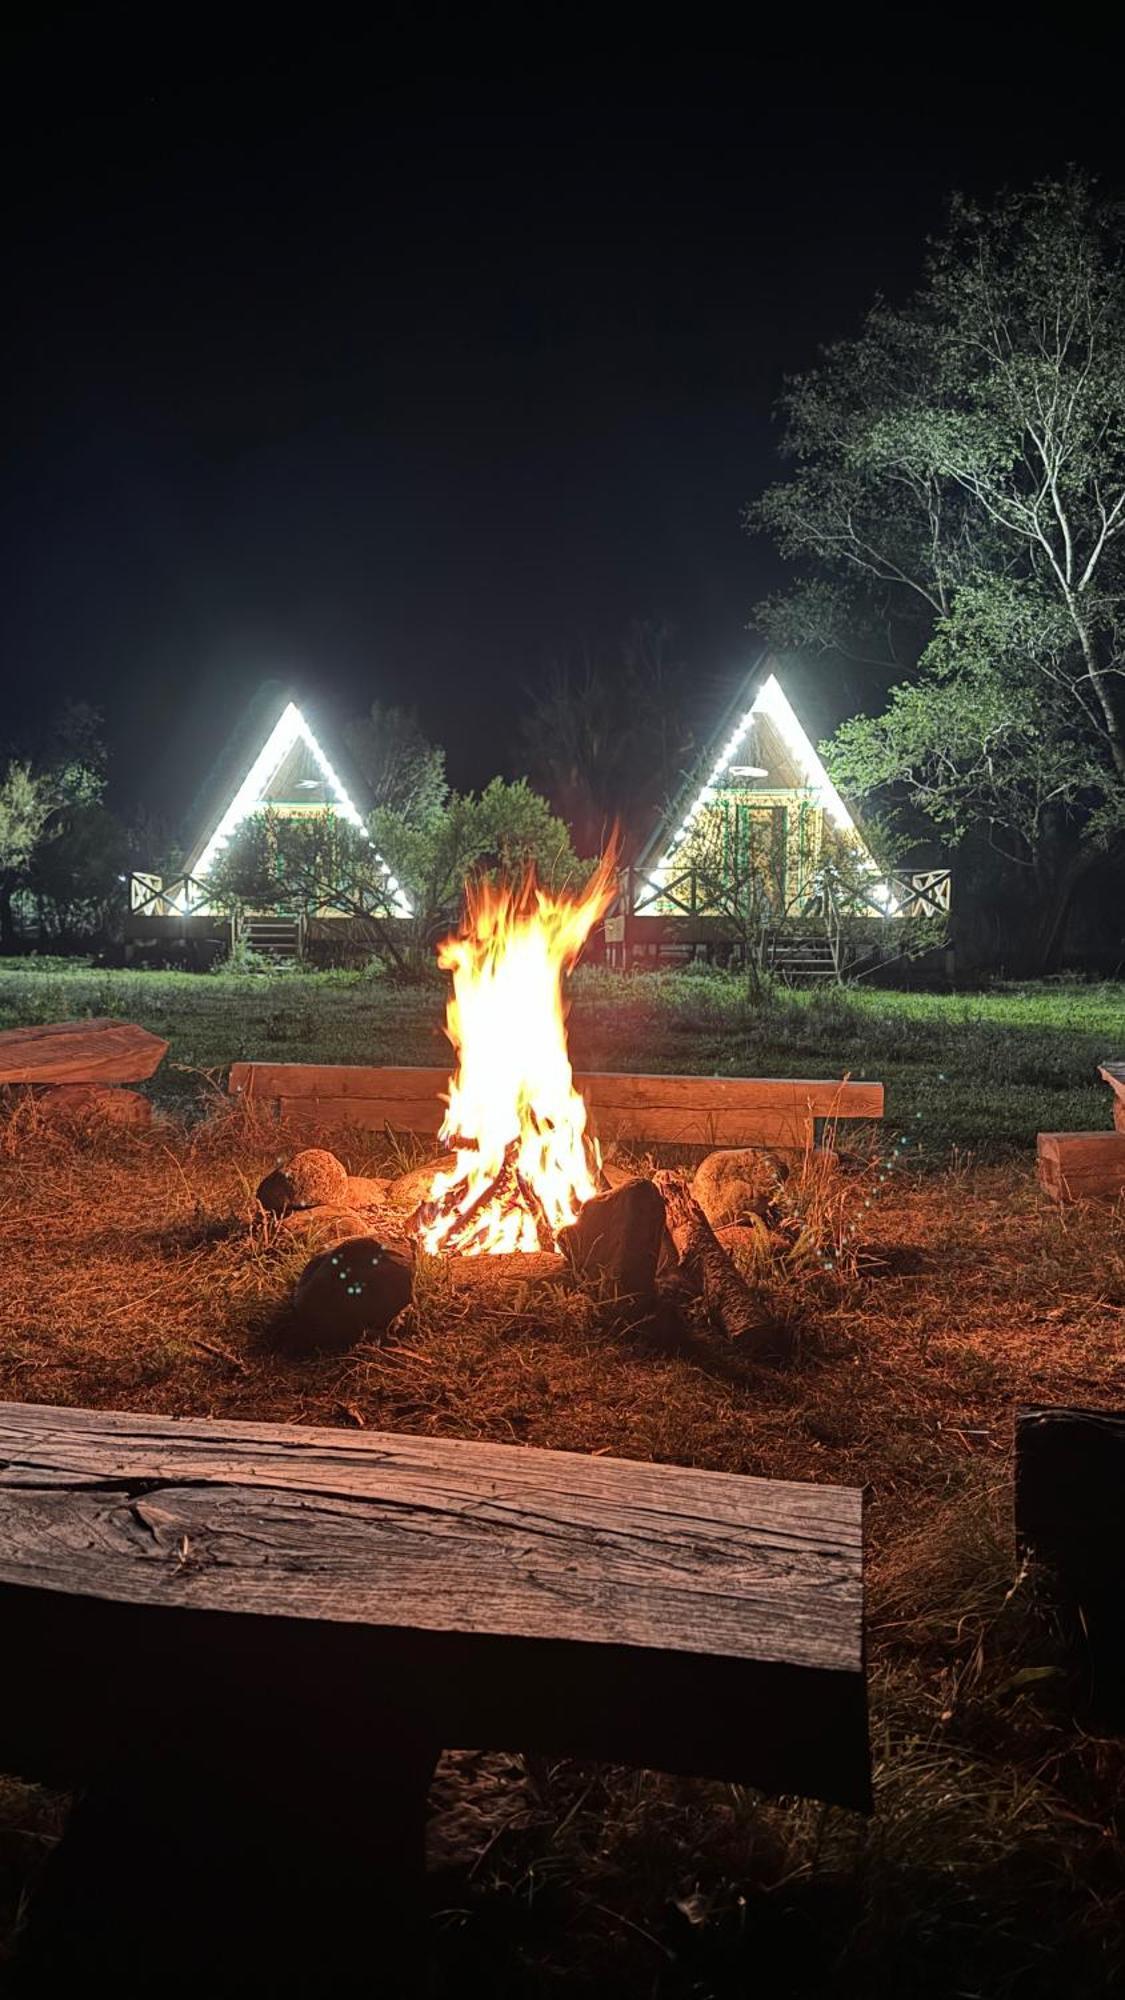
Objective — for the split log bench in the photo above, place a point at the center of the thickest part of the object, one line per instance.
(1074, 1166)
(1070, 1517)
(778, 1112)
(77, 1067)
(249, 1642)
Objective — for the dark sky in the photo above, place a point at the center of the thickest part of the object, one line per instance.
(383, 373)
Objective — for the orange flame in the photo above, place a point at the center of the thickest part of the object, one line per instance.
(524, 1161)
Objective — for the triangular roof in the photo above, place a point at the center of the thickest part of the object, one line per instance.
(760, 708)
(290, 768)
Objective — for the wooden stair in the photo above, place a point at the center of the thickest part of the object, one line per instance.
(276, 938)
(800, 956)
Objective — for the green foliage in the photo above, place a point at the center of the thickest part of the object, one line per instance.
(75, 877)
(304, 863)
(25, 807)
(502, 831)
(403, 773)
(957, 485)
(60, 849)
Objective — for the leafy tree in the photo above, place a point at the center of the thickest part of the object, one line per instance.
(318, 862)
(956, 496)
(501, 831)
(401, 770)
(310, 863)
(59, 848)
(74, 877)
(26, 804)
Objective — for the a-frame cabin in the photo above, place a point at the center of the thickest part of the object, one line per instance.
(759, 852)
(290, 775)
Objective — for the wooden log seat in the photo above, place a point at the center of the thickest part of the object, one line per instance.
(1082, 1166)
(101, 1051)
(250, 1641)
(776, 1112)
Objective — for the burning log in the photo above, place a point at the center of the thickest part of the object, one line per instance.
(618, 1238)
(727, 1298)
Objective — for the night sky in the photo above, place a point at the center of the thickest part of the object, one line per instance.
(381, 379)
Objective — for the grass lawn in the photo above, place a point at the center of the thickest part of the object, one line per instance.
(980, 1072)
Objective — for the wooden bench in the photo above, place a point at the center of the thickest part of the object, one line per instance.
(252, 1641)
(777, 1112)
(95, 1051)
(1076, 1166)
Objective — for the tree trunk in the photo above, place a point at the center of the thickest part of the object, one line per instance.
(1115, 732)
(1056, 885)
(7, 924)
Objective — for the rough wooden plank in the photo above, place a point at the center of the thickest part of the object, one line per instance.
(778, 1112)
(653, 1554)
(658, 1127)
(692, 1620)
(1077, 1166)
(255, 1080)
(101, 1051)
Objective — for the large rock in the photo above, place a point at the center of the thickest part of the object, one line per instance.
(312, 1179)
(732, 1185)
(354, 1289)
(364, 1191)
(617, 1239)
(411, 1189)
(96, 1104)
(322, 1228)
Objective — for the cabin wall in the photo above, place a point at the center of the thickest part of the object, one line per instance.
(737, 825)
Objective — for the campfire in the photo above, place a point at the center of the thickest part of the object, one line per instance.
(524, 1162)
(520, 1192)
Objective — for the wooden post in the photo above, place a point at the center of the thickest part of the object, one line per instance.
(1070, 1516)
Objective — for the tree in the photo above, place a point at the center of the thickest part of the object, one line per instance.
(310, 863)
(957, 498)
(26, 803)
(607, 737)
(58, 844)
(402, 771)
(319, 862)
(502, 831)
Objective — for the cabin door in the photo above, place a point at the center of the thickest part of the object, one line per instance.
(760, 843)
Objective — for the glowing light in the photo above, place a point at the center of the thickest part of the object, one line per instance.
(252, 796)
(771, 702)
(523, 1162)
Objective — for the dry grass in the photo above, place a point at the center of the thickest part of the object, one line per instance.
(924, 1307)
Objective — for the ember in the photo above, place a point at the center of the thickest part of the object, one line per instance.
(524, 1162)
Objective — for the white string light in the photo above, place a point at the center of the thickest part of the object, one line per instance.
(771, 702)
(252, 796)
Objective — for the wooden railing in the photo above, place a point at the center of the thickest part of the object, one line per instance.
(912, 893)
(190, 896)
(180, 896)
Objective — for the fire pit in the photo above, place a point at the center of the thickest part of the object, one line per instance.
(523, 1161)
(520, 1190)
